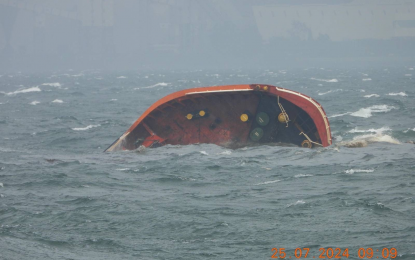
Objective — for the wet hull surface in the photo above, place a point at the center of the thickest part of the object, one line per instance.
(231, 116)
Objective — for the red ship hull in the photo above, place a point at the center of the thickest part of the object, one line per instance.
(233, 116)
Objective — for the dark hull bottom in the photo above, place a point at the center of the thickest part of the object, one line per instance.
(231, 119)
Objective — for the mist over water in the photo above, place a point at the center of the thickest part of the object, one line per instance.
(74, 76)
(61, 197)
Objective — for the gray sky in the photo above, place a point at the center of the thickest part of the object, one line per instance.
(188, 34)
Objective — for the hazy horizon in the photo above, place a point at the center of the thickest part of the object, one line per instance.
(46, 35)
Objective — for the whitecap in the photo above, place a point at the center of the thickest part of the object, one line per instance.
(377, 138)
(161, 84)
(324, 93)
(34, 103)
(57, 101)
(267, 182)
(367, 112)
(364, 140)
(302, 175)
(337, 115)
(371, 95)
(1, 185)
(27, 90)
(121, 77)
(298, 202)
(123, 169)
(402, 94)
(351, 171)
(367, 79)
(56, 84)
(227, 152)
(114, 99)
(204, 152)
(85, 128)
(326, 80)
(371, 130)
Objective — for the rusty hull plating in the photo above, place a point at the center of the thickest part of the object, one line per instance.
(232, 116)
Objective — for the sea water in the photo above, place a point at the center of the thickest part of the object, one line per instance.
(62, 197)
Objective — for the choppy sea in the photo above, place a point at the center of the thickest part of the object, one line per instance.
(62, 197)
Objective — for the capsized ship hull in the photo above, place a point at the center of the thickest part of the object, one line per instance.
(232, 116)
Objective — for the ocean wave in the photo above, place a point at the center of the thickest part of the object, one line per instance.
(302, 175)
(324, 93)
(371, 130)
(267, 182)
(56, 84)
(371, 95)
(409, 129)
(161, 84)
(326, 80)
(403, 94)
(365, 140)
(337, 115)
(367, 79)
(27, 90)
(85, 128)
(352, 171)
(367, 112)
(298, 202)
(121, 77)
(34, 102)
(57, 101)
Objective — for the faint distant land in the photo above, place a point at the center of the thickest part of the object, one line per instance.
(180, 33)
(352, 20)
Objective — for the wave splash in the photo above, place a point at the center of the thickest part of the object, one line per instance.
(367, 112)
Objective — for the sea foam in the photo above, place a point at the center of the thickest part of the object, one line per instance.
(267, 182)
(364, 140)
(34, 102)
(85, 128)
(326, 80)
(161, 84)
(27, 90)
(402, 94)
(367, 112)
(351, 171)
(56, 84)
(330, 91)
(337, 115)
(371, 130)
(371, 95)
(57, 101)
(367, 79)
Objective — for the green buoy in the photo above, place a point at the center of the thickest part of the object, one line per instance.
(256, 134)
